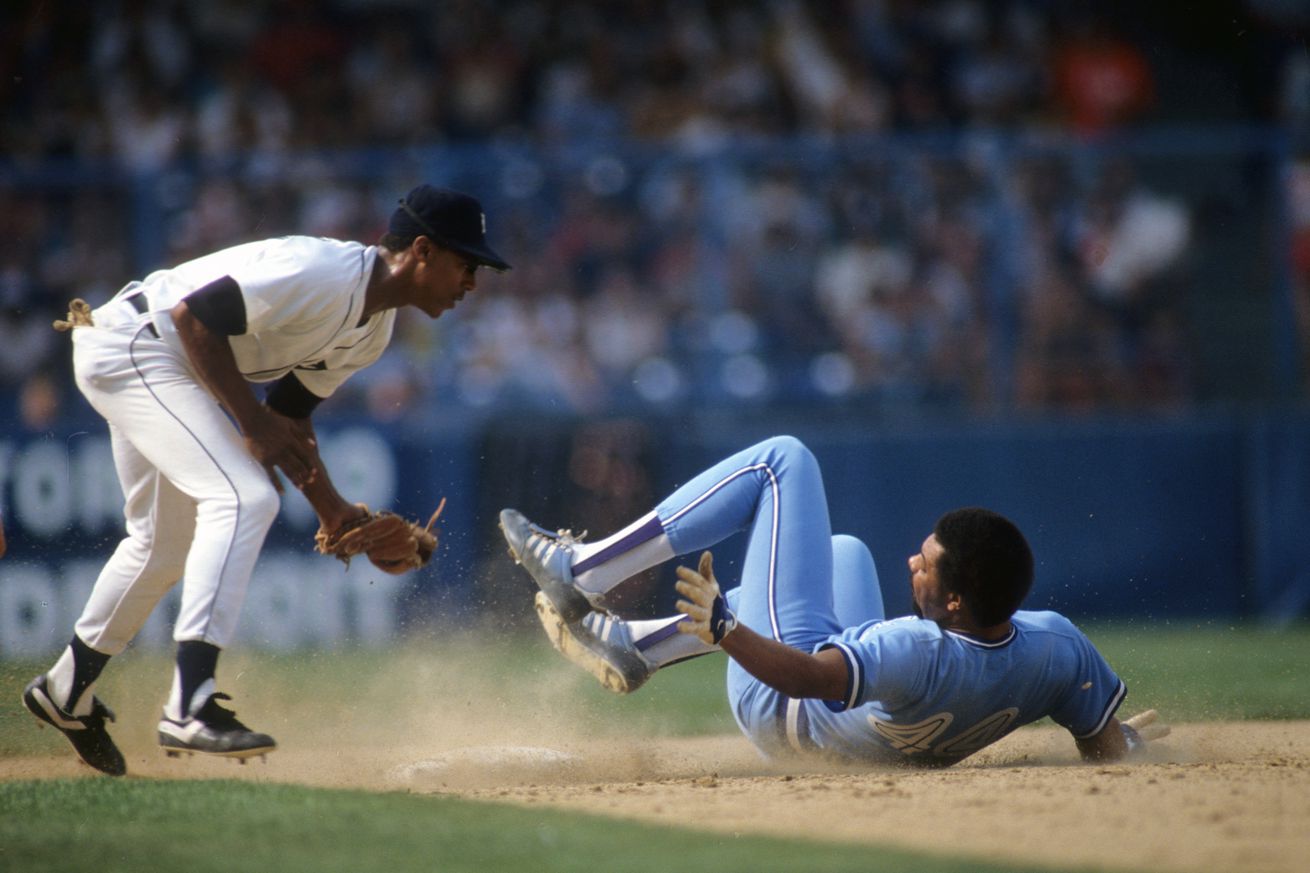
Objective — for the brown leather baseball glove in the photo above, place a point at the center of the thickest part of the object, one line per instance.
(391, 543)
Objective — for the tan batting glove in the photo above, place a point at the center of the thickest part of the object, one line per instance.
(1143, 728)
(705, 607)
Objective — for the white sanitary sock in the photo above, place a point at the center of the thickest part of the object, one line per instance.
(662, 643)
(599, 566)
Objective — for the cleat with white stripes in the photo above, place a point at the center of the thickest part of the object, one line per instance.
(599, 644)
(87, 733)
(212, 730)
(548, 558)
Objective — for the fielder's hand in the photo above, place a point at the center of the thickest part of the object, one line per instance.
(711, 620)
(1143, 728)
(391, 543)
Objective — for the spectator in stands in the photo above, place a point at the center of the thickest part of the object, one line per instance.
(236, 111)
(1102, 80)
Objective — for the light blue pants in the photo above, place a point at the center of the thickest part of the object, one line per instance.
(799, 583)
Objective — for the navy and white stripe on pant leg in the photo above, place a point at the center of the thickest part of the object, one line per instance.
(775, 629)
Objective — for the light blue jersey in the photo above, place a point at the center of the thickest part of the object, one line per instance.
(917, 693)
(934, 696)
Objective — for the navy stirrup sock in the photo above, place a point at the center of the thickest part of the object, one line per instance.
(87, 665)
(196, 663)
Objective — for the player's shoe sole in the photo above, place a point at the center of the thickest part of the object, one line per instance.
(176, 749)
(548, 558)
(215, 731)
(618, 667)
(87, 733)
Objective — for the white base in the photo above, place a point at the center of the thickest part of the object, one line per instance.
(475, 765)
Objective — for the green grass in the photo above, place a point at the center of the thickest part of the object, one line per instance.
(1210, 672)
(112, 825)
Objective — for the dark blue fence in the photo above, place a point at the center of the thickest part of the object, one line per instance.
(1126, 519)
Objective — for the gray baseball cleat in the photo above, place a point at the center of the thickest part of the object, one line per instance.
(599, 644)
(212, 730)
(86, 732)
(548, 557)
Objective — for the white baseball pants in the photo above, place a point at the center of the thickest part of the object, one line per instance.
(197, 504)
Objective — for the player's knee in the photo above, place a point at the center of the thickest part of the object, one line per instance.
(252, 502)
(849, 548)
(787, 446)
(260, 503)
(790, 449)
(851, 554)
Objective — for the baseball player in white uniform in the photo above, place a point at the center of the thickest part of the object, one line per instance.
(815, 668)
(169, 362)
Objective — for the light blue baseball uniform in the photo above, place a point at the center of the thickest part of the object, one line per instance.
(917, 693)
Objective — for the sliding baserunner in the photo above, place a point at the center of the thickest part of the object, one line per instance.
(814, 665)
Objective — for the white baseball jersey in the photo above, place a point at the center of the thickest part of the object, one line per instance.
(304, 297)
(197, 504)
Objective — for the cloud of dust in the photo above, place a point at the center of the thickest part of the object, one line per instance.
(458, 701)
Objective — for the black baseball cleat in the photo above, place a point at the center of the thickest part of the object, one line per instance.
(213, 730)
(86, 732)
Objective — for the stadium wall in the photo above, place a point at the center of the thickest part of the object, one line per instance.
(1158, 521)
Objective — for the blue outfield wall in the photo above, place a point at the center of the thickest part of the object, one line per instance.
(1277, 518)
(1125, 519)
(1162, 520)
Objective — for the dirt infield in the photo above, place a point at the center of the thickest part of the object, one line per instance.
(1212, 797)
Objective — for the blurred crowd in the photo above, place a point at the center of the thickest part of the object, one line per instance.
(708, 202)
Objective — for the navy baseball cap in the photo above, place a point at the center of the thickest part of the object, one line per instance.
(450, 219)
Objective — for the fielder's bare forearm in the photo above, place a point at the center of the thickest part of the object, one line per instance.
(332, 509)
(271, 438)
(211, 356)
(785, 669)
